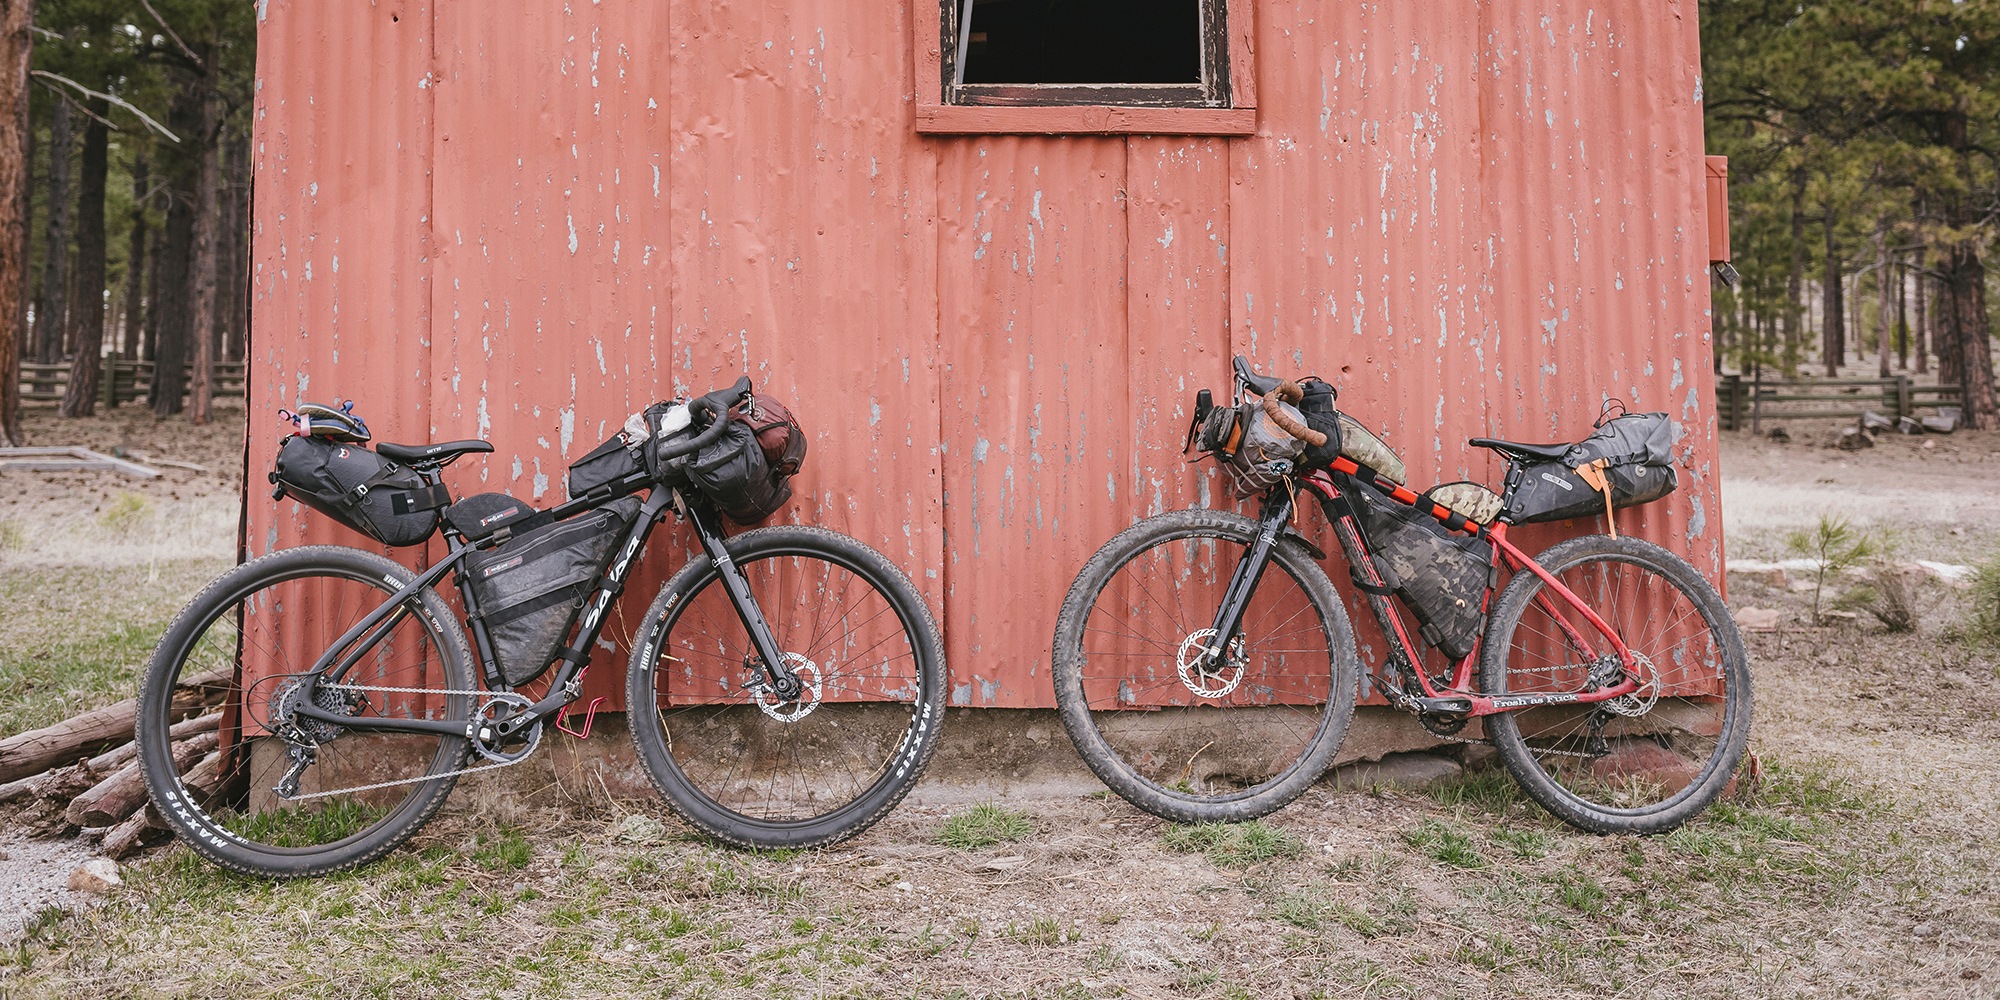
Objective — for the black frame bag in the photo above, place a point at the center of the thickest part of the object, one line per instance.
(355, 486)
(530, 588)
(1441, 575)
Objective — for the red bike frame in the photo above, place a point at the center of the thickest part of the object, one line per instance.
(1459, 696)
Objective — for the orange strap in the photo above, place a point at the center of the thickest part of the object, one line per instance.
(1593, 473)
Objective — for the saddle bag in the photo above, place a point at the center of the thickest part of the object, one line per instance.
(1440, 575)
(531, 587)
(355, 486)
(1635, 454)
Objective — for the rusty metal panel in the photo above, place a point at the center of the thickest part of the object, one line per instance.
(1481, 223)
(340, 277)
(552, 254)
(1031, 306)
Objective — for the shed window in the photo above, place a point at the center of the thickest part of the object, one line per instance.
(1131, 53)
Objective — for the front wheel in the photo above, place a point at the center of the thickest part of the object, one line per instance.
(1645, 762)
(259, 790)
(1175, 736)
(756, 770)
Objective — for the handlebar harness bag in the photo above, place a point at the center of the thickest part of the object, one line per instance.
(1637, 452)
(733, 474)
(778, 433)
(531, 587)
(355, 486)
(1440, 574)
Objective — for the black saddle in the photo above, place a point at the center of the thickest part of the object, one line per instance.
(1515, 449)
(430, 454)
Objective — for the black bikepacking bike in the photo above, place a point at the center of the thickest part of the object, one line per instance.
(785, 688)
(1206, 669)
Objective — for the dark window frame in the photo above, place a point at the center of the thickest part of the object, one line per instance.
(1211, 91)
(935, 115)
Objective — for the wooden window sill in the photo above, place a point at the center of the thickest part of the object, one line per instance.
(1083, 119)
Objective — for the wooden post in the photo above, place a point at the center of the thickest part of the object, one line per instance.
(1732, 402)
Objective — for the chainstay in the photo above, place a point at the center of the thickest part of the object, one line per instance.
(420, 778)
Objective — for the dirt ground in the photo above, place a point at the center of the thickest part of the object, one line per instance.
(1865, 863)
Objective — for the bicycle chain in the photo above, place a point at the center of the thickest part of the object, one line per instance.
(421, 777)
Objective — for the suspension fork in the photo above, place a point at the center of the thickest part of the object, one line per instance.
(1271, 524)
(783, 680)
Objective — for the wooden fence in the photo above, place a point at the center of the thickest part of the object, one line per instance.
(1825, 399)
(120, 381)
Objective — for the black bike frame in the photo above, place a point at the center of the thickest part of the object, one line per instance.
(574, 658)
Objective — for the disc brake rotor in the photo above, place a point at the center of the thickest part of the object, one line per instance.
(1193, 659)
(1641, 701)
(809, 692)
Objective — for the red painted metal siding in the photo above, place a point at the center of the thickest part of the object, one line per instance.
(544, 217)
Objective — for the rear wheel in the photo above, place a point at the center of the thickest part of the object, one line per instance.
(1645, 762)
(1224, 745)
(218, 739)
(757, 771)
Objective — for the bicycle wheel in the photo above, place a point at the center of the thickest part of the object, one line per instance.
(1643, 763)
(757, 772)
(1173, 741)
(216, 697)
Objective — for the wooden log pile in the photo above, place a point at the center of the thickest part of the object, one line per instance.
(82, 774)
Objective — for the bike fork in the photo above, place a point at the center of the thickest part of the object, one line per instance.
(783, 681)
(1271, 524)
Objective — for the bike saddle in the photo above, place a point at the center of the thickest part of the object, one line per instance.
(430, 454)
(1259, 384)
(1551, 452)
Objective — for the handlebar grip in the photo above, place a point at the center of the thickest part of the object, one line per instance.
(712, 405)
(691, 445)
(1290, 392)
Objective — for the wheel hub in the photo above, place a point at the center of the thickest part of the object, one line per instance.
(1206, 674)
(793, 709)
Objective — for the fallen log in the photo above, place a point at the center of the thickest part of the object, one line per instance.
(204, 778)
(131, 834)
(94, 732)
(113, 799)
(111, 760)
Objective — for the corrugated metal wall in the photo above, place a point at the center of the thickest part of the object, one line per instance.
(522, 221)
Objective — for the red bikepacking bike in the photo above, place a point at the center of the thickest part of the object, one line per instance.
(1206, 669)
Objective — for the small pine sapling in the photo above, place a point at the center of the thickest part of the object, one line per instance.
(1834, 546)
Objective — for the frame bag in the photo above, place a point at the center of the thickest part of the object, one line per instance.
(1637, 455)
(355, 486)
(531, 587)
(1440, 574)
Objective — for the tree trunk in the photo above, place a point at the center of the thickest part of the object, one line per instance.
(1795, 283)
(1963, 321)
(1902, 318)
(50, 322)
(16, 45)
(1920, 331)
(1833, 323)
(170, 303)
(207, 224)
(80, 396)
(1882, 334)
(135, 264)
(149, 336)
(233, 280)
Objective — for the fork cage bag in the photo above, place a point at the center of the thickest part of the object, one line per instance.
(353, 485)
(1440, 575)
(530, 588)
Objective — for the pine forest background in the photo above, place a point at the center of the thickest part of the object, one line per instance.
(1863, 139)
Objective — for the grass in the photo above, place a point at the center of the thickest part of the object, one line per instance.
(1982, 623)
(1233, 845)
(87, 639)
(984, 825)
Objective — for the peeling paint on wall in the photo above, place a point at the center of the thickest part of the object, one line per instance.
(1476, 224)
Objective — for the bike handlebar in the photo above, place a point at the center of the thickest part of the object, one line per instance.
(1276, 390)
(715, 407)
